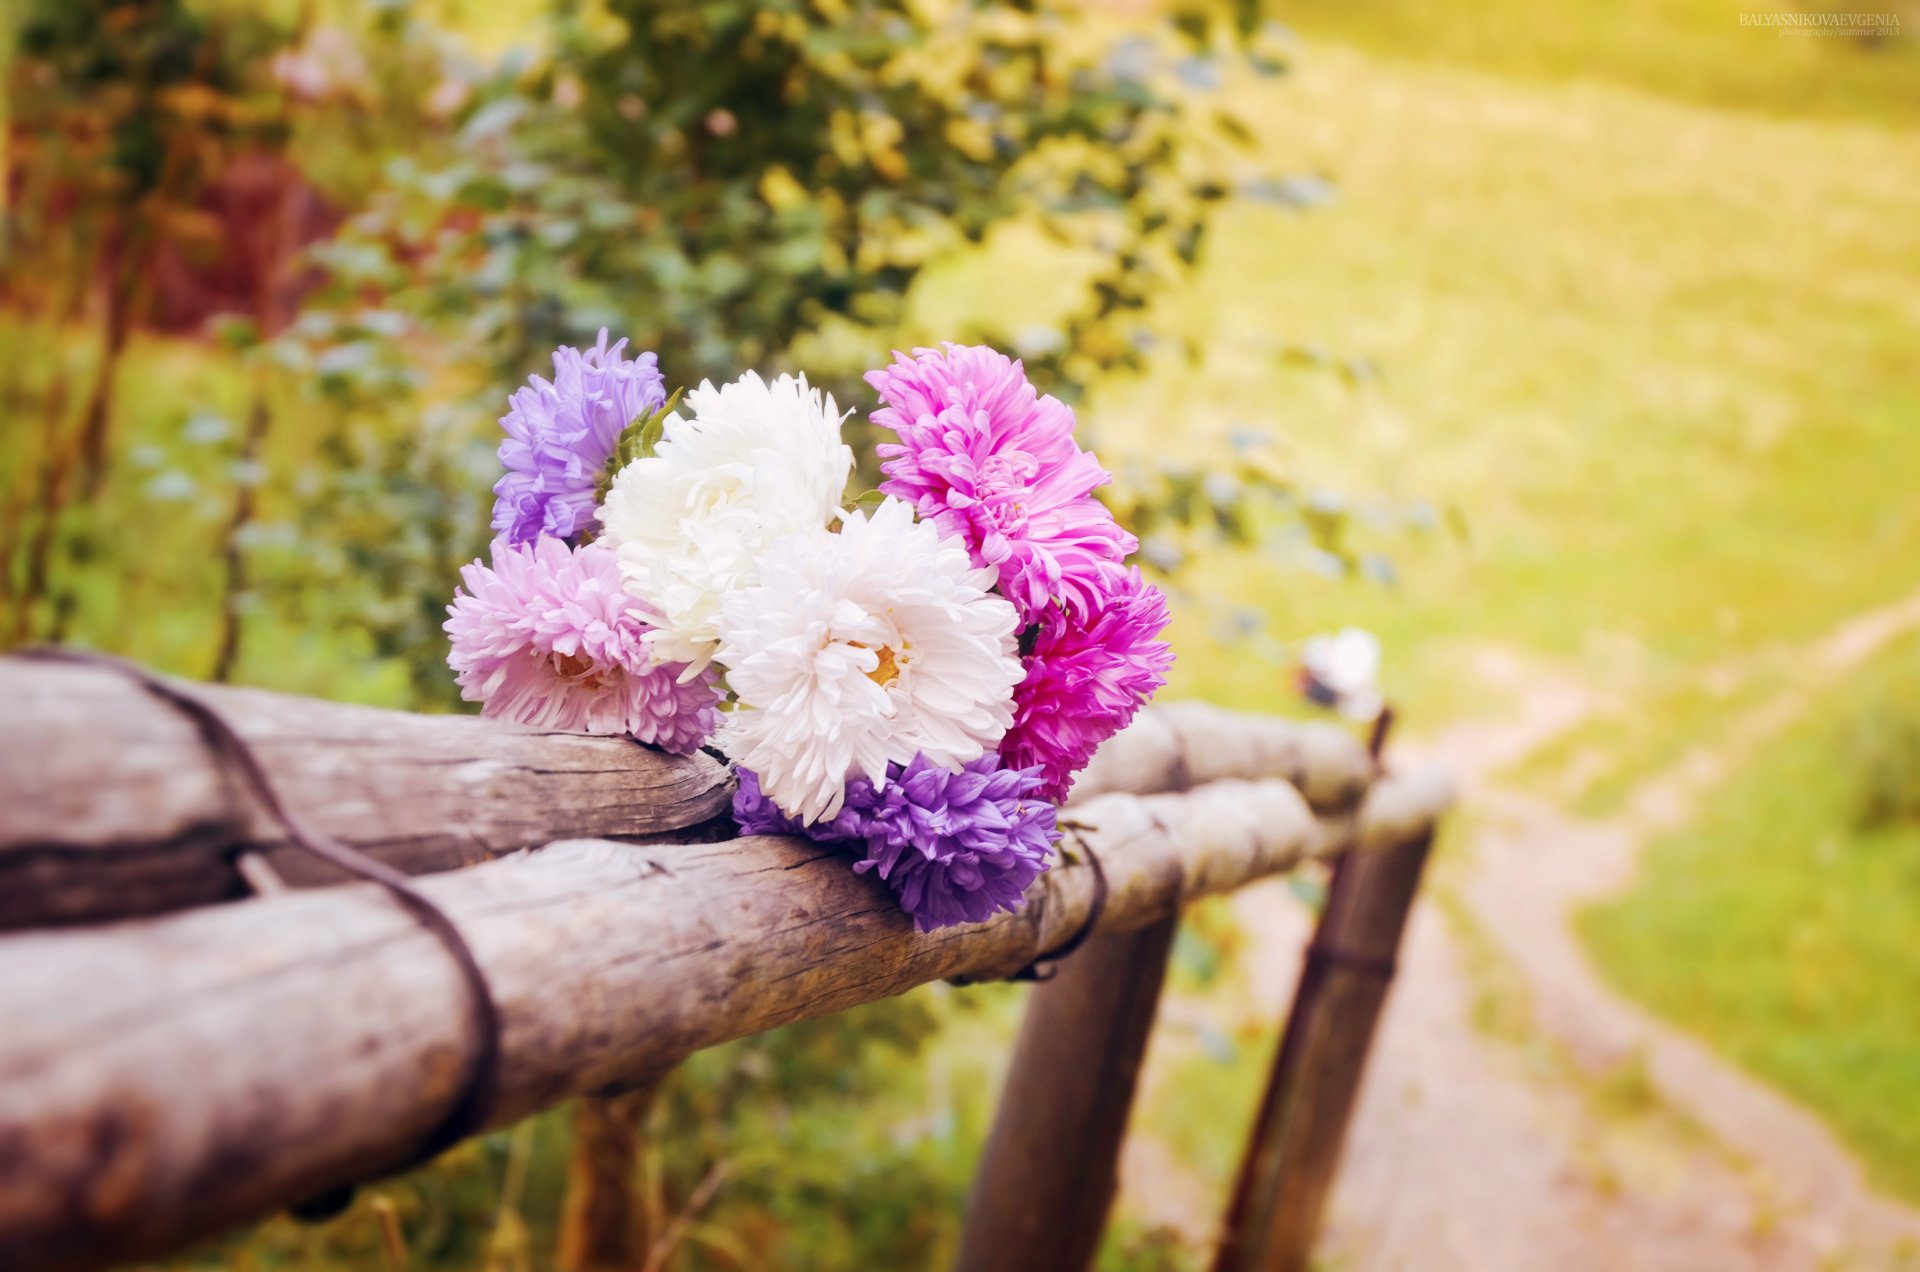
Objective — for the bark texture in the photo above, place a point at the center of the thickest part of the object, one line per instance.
(1042, 1189)
(111, 805)
(1294, 1150)
(163, 1078)
(603, 1224)
(1177, 745)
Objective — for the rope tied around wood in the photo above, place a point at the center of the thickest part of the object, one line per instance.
(233, 755)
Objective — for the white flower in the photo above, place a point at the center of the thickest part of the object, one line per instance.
(755, 462)
(858, 648)
(1346, 666)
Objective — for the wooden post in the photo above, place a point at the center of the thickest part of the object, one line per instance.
(1295, 1147)
(603, 1225)
(1041, 1192)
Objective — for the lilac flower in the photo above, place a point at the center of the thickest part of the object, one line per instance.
(561, 434)
(987, 458)
(954, 847)
(546, 637)
(757, 814)
(1085, 680)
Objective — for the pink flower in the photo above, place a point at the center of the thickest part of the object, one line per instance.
(985, 457)
(547, 637)
(1085, 680)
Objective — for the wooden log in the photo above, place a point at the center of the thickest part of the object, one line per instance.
(1044, 1184)
(163, 1078)
(114, 807)
(603, 1222)
(1294, 1148)
(1176, 745)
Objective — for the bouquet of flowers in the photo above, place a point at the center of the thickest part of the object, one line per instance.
(917, 673)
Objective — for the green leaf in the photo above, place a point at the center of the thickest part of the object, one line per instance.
(638, 440)
(868, 501)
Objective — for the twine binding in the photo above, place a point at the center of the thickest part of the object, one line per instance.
(233, 755)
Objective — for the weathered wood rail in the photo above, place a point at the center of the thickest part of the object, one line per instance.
(170, 1066)
(113, 806)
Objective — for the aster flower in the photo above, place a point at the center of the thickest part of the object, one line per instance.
(860, 649)
(1086, 679)
(546, 637)
(561, 434)
(756, 814)
(955, 847)
(755, 461)
(987, 458)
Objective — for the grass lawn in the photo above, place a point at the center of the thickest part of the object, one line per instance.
(1689, 50)
(1658, 354)
(1780, 928)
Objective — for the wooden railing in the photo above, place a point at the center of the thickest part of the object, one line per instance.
(189, 1044)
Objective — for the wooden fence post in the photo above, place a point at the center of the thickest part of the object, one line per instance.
(1041, 1191)
(603, 1225)
(1295, 1146)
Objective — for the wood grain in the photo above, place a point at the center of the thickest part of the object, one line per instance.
(603, 1225)
(113, 806)
(1042, 1188)
(1293, 1151)
(1176, 745)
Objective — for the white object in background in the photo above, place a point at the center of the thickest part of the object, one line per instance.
(1345, 668)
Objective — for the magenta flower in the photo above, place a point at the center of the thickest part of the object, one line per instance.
(1085, 680)
(560, 436)
(547, 637)
(954, 847)
(987, 458)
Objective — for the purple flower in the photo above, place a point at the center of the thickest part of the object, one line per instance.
(1085, 680)
(987, 458)
(954, 847)
(546, 637)
(756, 813)
(560, 436)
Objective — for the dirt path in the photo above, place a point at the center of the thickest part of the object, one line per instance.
(1632, 1145)
(1518, 1113)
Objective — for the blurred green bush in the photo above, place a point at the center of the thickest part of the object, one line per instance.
(371, 234)
(730, 184)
